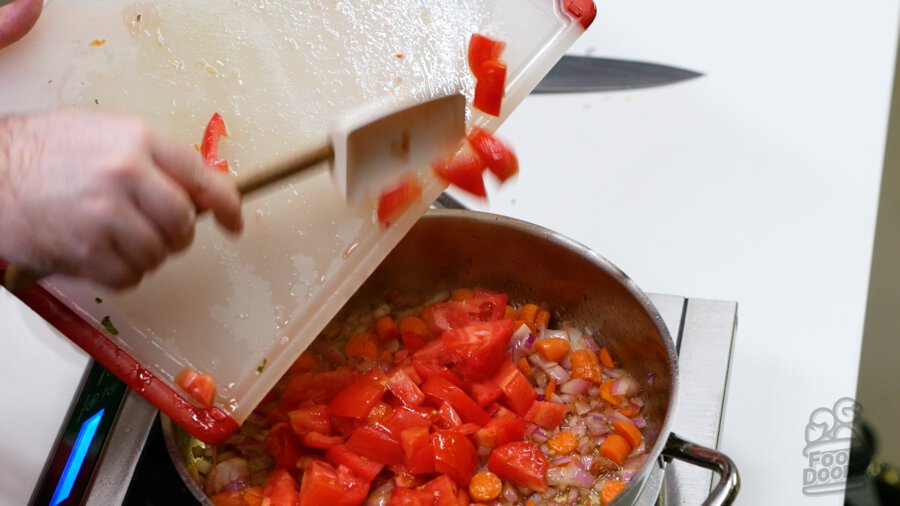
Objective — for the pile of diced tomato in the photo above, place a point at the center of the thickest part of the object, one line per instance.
(431, 404)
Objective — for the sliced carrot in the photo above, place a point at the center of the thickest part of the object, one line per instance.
(361, 345)
(485, 486)
(615, 448)
(607, 395)
(563, 443)
(530, 503)
(523, 366)
(527, 314)
(510, 313)
(386, 328)
(550, 389)
(606, 358)
(542, 320)
(253, 496)
(629, 431)
(415, 325)
(462, 294)
(630, 410)
(553, 349)
(586, 366)
(611, 490)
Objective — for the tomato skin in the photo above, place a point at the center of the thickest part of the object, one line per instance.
(405, 389)
(481, 49)
(405, 417)
(357, 400)
(201, 387)
(317, 388)
(320, 441)
(397, 199)
(325, 485)
(463, 171)
(500, 160)
(490, 87)
(548, 415)
(454, 455)
(521, 463)
(281, 489)
(376, 443)
(485, 393)
(445, 391)
(209, 146)
(363, 467)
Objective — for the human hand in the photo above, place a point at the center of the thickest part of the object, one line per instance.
(17, 18)
(101, 197)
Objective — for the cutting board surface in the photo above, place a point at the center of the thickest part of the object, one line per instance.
(279, 72)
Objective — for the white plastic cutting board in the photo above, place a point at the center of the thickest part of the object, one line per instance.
(279, 72)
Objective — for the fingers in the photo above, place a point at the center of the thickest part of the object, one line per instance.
(208, 188)
(17, 18)
(168, 207)
(138, 242)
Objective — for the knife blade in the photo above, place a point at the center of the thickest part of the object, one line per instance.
(578, 74)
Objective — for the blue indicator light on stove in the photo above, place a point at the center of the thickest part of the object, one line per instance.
(76, 458)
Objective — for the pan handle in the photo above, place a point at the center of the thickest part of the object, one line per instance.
(726, 490)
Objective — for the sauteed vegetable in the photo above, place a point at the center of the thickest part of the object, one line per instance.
(464, 399)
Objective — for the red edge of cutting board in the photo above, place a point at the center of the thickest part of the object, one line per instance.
(583, 11)
(210, 425)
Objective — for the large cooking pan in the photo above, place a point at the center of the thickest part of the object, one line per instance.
(452, 248)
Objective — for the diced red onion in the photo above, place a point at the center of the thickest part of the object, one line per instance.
(613, 373)
(575, 386)
(581, 408)
(591, 344)
(561, 461)
(509, 493)
(381, 495)
(392, 345)
(650, 378)
(639, 422)
(570, 475)
(562, 334)
(567, 398)
(228, 473)
(625, 386)
(559, 374)
(597, 426)
(638, 401)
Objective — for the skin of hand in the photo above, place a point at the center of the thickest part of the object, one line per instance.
(17, 18)
(102, 197)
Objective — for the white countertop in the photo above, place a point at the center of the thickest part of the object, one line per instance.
(756, 183)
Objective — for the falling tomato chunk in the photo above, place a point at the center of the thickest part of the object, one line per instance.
(201, 387)
(397, 199)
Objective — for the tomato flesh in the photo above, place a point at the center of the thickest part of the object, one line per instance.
(454, 455)
(500, 160)
(201, 387)
(209, 146)
(363, 467)
(322, 484)
(281, 489)
(522, 463)
(490, 87)
(397, 199)
(482, 49)
(463, 171)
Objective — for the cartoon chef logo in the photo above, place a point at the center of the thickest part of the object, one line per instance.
(829, 438)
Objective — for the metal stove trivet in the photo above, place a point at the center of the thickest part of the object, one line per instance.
(105, 475)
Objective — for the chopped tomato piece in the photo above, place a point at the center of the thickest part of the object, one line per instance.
(479, 349)
(548, 415)
(497, 156)
(321, 441)
(325, 485)
(500, 431)
(444, 491)
(485, 393)
(318, 388)
(518, 394)
(418, 450)
(482, 49)
(490, 87)
(454, 455)
(397, 199)
(482, 306)
(201, 387)
(404, 388)
(463, 171)
(281, 489)
(405, 417)
(363, 467)
(521, 463)
(446, 391)
(410, 497)
(376, 443)
(413, 342)
(310, 419)
(358, 399)
(282, 445)
(209, 146)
